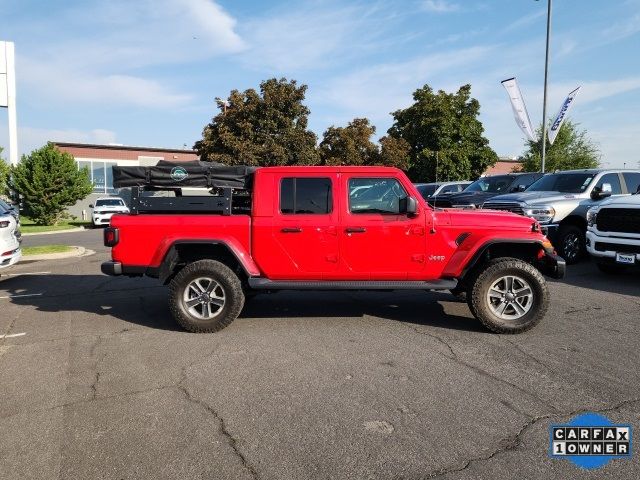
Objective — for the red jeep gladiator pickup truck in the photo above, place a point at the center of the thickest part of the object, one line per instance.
(321, 228)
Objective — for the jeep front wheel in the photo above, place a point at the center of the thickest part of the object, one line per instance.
(508, 295)
(205, 296)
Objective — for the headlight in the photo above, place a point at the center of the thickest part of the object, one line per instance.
(592, 216)
(543, 213)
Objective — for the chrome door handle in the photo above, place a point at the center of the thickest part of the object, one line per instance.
(291, 230)
(355, 230)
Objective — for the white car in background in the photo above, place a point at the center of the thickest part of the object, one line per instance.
(10, 252)
(105, 208)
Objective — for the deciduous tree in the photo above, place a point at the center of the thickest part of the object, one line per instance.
(263, 128)
(444, 135)
(572, 149)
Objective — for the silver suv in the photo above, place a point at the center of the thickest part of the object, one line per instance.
(560, 201)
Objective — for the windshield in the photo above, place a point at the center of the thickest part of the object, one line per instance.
(111, 202)
(562, 182)
(426, 190)
(497, 184)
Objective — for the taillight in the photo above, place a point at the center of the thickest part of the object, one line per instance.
(4, 224)
(111, 236)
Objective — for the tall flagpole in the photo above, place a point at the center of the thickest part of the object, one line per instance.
(544, 101)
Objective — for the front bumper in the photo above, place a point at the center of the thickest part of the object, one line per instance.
(550, 230)
(11, 259)
(102, 219)
(552, 265)
(614, 245)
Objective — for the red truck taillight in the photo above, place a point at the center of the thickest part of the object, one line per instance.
(111, 236)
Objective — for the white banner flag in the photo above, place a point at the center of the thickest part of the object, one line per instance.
(564, 109)
(519, 109)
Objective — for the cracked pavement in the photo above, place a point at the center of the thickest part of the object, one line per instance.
(304, 385)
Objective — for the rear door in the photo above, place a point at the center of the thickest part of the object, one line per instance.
(304, 234)
(377, 242)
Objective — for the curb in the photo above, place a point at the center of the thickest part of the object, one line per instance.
(76, 252)
(68, 230)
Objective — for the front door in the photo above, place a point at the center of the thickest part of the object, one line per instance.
(378, 242)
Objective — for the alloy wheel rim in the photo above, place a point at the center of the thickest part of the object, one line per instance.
(571, 246)
(204, 298)
(510, 297)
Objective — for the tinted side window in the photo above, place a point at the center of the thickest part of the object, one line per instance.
(305, 195)
(613, 180)
(632, 179)
(379, 195)
(449, 189)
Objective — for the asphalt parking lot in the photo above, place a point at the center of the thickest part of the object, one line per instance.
(98, 382)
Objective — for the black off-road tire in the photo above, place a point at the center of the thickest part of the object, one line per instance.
(225, 277)
(566, 246)
(489, 273)
(611, 269)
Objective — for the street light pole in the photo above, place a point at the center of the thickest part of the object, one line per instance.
(544, 101)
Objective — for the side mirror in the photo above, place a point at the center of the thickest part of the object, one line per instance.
(599, 193)
(412, 206)
(91, 205)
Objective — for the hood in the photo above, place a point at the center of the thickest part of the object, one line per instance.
(536, 197)
(489, 219)
(631, 201)
(466, 198)
(111, 208)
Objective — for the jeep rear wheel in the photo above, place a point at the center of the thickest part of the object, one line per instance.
(205, 296)
(508, 296)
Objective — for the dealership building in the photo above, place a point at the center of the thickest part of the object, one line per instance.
(100, 159)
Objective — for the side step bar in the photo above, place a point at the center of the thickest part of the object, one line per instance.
(265, 284)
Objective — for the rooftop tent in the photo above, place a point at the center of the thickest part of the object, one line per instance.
(185, 174)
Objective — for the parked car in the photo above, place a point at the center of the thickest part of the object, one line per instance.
(613, 233)
(10, 252)
(105, 208)
(438, 189)
(304, 230)
(485, 188)
(560, 201)
(6, 207)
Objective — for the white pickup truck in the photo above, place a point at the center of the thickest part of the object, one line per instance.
(613, 233)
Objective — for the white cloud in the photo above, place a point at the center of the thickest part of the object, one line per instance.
(118, 39)
(31, 138)
(440, 6)
(624, 29)
(378, 90)
(59, 84)
(318, 37)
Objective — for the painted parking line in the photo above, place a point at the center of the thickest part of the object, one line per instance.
(13, 335)
(24, 295)
(25, 273)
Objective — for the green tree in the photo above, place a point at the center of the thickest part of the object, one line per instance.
(443, 131)
(264, 129)
(4, 175)
(394, 152)
(572, 149)
(48, 181)
(350, 145)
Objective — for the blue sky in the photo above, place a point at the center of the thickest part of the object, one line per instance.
(145, 72)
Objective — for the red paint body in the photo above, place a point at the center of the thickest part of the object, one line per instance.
(392, 247)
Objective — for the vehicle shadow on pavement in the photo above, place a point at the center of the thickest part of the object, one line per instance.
(586, 275)
(143, 301)
(416, 307)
